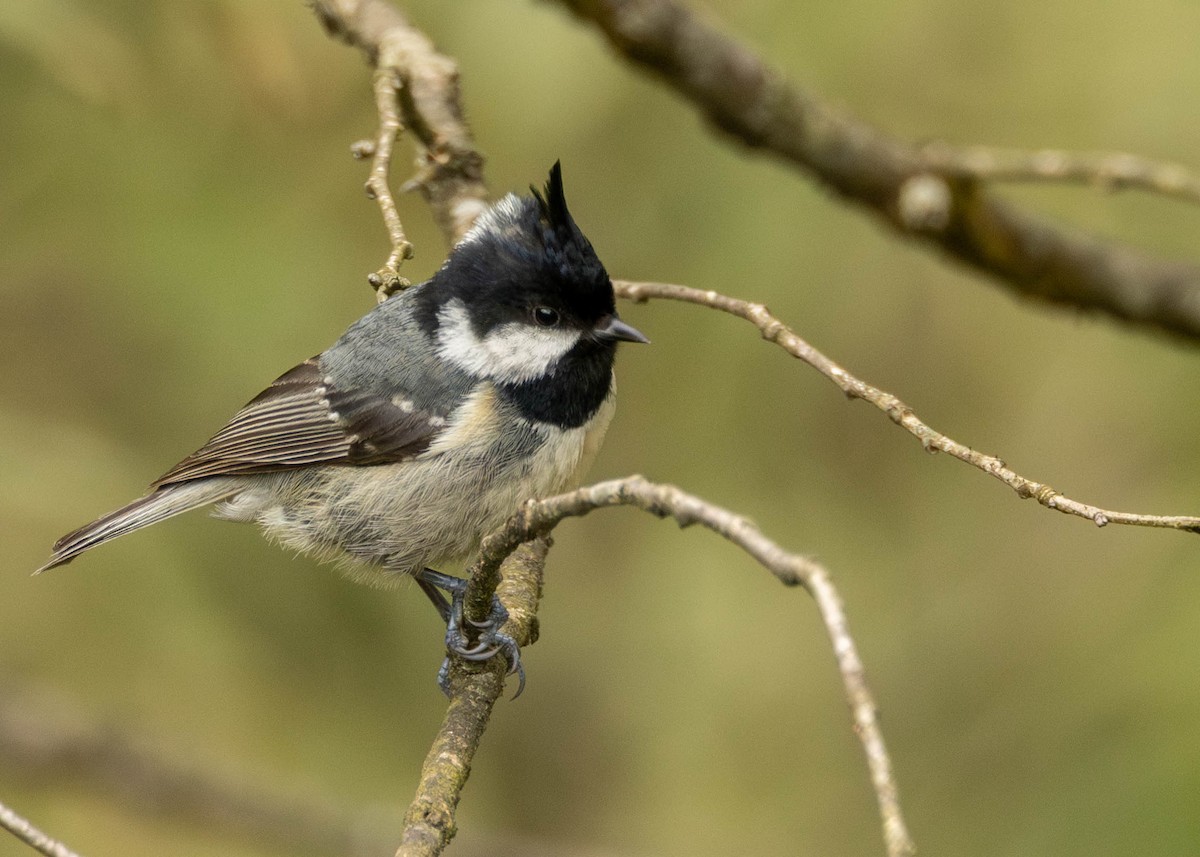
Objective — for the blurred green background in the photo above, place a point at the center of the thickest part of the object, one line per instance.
(182, 221)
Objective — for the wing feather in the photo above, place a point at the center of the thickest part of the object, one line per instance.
(301, 419)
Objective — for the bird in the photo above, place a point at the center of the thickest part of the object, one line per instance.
(427, 424)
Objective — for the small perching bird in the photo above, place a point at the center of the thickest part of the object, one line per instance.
(428, 423)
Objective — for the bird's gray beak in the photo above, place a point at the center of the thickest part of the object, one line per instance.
(612, 327)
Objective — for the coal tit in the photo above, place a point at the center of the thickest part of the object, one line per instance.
(428, 423)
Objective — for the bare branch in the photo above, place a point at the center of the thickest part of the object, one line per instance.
(538, 517)
(752, 102)
(429, 824)
(31, 836)
(425, 84)
(1106, 170)
(773, 330)
(387, 279)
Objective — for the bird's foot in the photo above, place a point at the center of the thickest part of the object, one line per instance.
(471, 640)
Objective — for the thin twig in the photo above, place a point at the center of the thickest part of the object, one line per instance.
(425, 85)
(387, 279)
(1106, 170)
(773, 330)
(538, 517)
(755, 104)
(31, 836)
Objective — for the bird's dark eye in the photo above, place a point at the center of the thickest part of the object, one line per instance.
(545, 316)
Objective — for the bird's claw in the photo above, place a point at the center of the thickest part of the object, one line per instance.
(489, 641)
(475, 653)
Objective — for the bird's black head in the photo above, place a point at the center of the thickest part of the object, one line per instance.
(523, 294)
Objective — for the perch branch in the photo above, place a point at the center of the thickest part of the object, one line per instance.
(538, 517)
(773, 330)
(31, 836)
(429, 824)
(918, 196)
(424, 83)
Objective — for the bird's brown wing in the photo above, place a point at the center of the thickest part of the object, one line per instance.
(304, 419)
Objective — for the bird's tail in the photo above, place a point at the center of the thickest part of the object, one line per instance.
(157, 506)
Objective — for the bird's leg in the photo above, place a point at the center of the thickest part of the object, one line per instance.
(438, 600)
(489, 640)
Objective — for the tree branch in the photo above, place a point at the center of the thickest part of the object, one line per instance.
(538, 517)
(387, 279)
(425, 85)
(1106, 170)
(915, 194)
(429, 824)
(31, 836)
(773, 330)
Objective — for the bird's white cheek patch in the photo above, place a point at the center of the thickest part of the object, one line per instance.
(521, 352)
(510, 353)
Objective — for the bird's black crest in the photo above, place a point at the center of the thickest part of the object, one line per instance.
(522, 252)
(554, 203)
(564, 246)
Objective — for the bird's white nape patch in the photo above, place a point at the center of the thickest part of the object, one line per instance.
(505, 214)
(510, 353)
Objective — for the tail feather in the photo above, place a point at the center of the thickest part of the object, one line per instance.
(157, 506)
